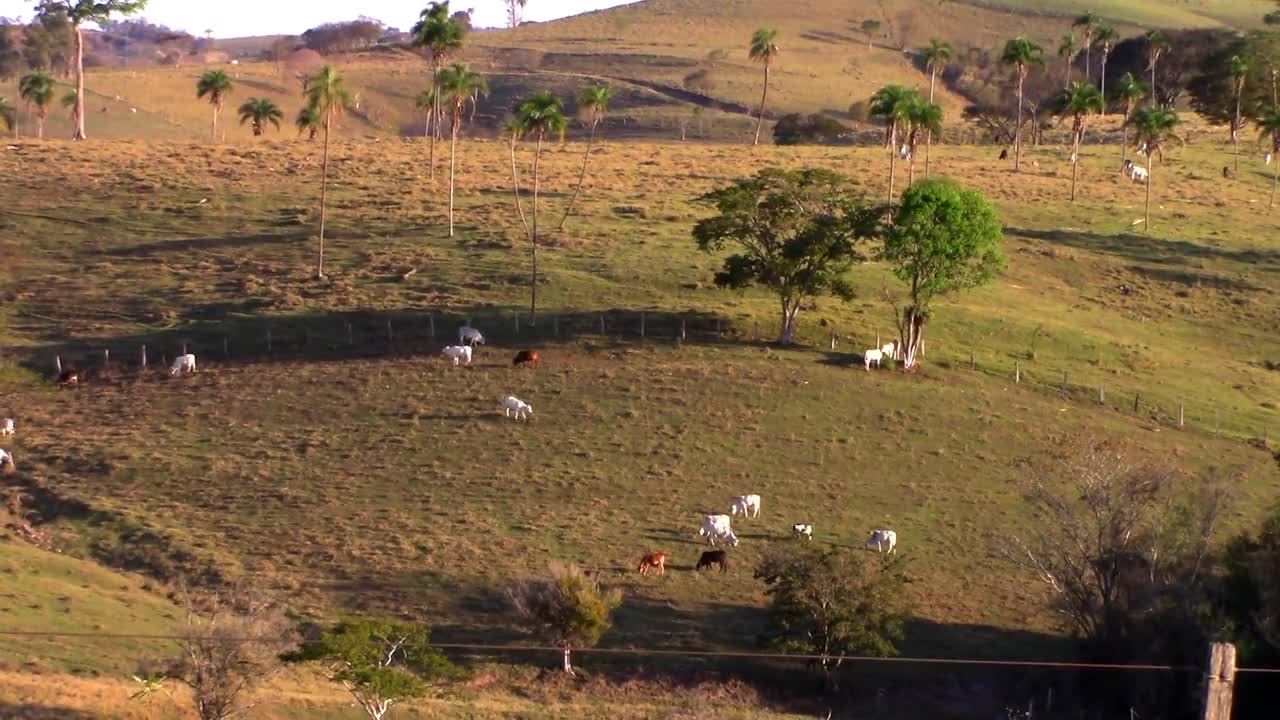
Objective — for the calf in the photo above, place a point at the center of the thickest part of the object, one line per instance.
(651, 561)
(802, 530)
(748, 505)
(522, 409)
(883, 541)
(468, 335)
(457, 353)
(713, 557)
(526, 357)
(183, 364)
(6, 427)
(890, 350)
(872, 356)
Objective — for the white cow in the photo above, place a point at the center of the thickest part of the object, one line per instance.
(748, 505)
(883, 541)
(1266, 159)
(468, 335)
(457, 353)
(872, 356)
(6, 427)
(890, 350)
(522, 409)
(6, 458)
(1136, 173)
(802, 530)
(716, 527)
(183, 364)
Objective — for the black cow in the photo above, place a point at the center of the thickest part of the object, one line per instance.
(714, 557)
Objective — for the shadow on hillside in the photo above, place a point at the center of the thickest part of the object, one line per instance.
(1147, 248)
(26, 711)
(209, 243)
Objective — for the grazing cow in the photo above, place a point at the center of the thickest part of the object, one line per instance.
(457, 353)
(904, 152)
(1226, 172)
(802, 530)
(717, 527)
(872, 356)
(6, 458)
(1136, 173)
(748, 505)
(526, 357)
(713, 557)
(883, 541)
(68, 377)
(651, 561)
(890, 350)
(6, 427)
(522, 409)
(468, 335)
(1266, 159)
(183, 364)
(1004, 153)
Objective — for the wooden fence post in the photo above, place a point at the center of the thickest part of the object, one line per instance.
(431, 324)
(973, 365)
(642, 324)
(1135, 401)
(1102, 394)
(683, 336)
(226, 347)
(1219, 681)
(833, 338)
(555, 325)
(718, 333)
(106, 356)
(57, 363)
(1017, 371)
(755, 331)
(1181, 409)
(144, 356)
(602, 324)
(390, 336)
(517, 316)
(268, 339)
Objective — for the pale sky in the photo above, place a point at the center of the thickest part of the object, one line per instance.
(237, 18)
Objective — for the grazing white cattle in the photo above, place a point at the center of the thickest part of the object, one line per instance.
(457, 353)
(1266, 159)
(183, 364)
(872, 356)
(748, 505)
(802, 530)
(904, 152)
(890, 350)
(6, 427)
(522, 409)
(716, 527)
(6, 458)
(468, 335)
(883, 541)
(1136, 173)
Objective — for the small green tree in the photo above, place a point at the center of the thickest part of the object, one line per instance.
(1068, 50)
(426, 102)
(71, 101)
(1157, 44)
(870, 28)
(892, 106)
(1153, 129)
(380, 662)
(37, 90)
(922, 117)
(1269, 133)
(1088, 25)
(260, 111)
(309, 122)
(764, 50)
(215, 85)
(1239, 70)
(944, 238)
(833, 603)
(569, 607)
(795, 232)
(1105, 38)
(1251, 596)
(8, 115)
(1130, 91)
(1023, 54)
(459, 87)
(593, 103)
(1078, 101)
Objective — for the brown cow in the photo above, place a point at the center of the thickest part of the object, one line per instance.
(529, 357)
(653, 560)
(714, 557)
(68, 377)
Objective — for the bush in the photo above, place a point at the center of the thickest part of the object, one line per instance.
(816, 128)
(569, 607)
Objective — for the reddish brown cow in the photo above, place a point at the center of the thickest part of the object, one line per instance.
(68, 377)
(653, 560)
(529, 357)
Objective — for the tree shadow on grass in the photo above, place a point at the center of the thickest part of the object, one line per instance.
(1147, 248)
(207, 243)
(29, 711)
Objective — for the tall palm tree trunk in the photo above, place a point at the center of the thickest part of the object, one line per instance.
(893, 160)
(1153, 84)
(1235, 133)
(763, 95)
(533, 286)
(1075, 164)
(435, 110)
(515, 185)
(1275, 179)
(324, 186)
(1102, 75)
(39, 126)
(928, 136)
(1146, 222)
(453, 153)
(1087, 75)
(79, 51)
(582, 174)
(1017, 129)
(216, 108)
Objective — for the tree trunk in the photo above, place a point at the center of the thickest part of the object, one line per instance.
(216, 108)
(911, 166)
(453, 153)
(582, 174)
(1151, 171)
(1075, 163)
(1087, 74)
(1124, 138)
(324, 185)
(39, 125)
(515, 185)
(1235, 133)
(533, 286)
(1275, 178)
(787, 333)
(912, 342)
(928, 137)
(568, 662)
(763, 95)
(79, 50)
(1017, 129)
(435, 110)
(1102, 75)
(1153, 83)
(893, 162)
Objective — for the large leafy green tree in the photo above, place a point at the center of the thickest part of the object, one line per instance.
(1088, 25)
(37, 90)
(1269, 127)
(1130, 91)
(1078, 102)
(441, 36)
(216, 86)
(80, 12)
(937, 55)
(593, 103)
(1153, 129)
(380, 662)
(1023, 55)
(833, 603)
(764, 50)
(459, 87)
(568, 607)
(1105, 38)
(327, 95)
(795, 232)
(260, 111)
(891, 105)
(540, 115)
(944, 238)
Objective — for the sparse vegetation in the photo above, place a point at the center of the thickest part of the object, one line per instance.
(568, 607)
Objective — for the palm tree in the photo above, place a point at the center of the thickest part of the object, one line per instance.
(922, 116)
(1022, 54)
(261, 111)
(1269, 127)
(308, 122)
(1067, 50)
(1087, 24)
(1239, 68)
(216, 86)
(541, 114)
(8, 115)
(426, 102)
(37, 90)
(764, 51)
(891, 105)
(593, 103)
(1152, 130)
(1079, 101)
(70, 101)
(1131, 91)
(327, 95)
(513, 130)
(441, 35)
(937, 55)
(1105, 37)
(459, 87)
(1157, 43)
